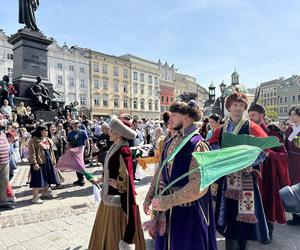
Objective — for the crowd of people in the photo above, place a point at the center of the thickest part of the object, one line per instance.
(247, 203)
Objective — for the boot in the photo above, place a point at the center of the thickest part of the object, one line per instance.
(271, 228)
(126, 246)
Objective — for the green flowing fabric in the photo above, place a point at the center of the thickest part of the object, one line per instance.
(229, 140)
(218, 163)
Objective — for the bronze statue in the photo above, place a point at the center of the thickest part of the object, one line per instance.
(26, 13)
(41, 94)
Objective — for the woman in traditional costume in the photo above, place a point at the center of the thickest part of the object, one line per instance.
(117, 224)
(292, 144)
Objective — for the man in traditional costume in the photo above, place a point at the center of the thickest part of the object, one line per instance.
(292, 144)
(274, 171)
(117, 224)
(185, 215)
(239, 210)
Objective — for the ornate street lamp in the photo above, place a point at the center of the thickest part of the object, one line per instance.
(222, 97)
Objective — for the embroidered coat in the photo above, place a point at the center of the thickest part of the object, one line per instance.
(227, 209)
(189, 213)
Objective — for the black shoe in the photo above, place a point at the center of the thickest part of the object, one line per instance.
(136, 179)
(266, 242)
(7, 207)
(79, 183)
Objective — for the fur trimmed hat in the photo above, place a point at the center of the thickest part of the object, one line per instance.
(122, 129)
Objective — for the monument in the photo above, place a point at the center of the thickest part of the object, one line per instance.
(31, 61)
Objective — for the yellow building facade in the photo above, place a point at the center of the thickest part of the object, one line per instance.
(110, 85)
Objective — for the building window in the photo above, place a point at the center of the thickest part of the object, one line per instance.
(149, 78)
(96, 84)
(293, 98)
(81, 70)
(142, 89)
(280, 100)
(135, 104)
(135, 87)
(150, 90)
(72, 98)
(167, 99)
(156, 80)
(298, 98)
(71, 82)
(10, 73)
(285, 99)
(156, 91)
(142, 77)
(125, 103)
(71, 67)
(82, 83)
(156, 105)
(96, 100)
(285, 110)
(116, 86)
(59, 66)
(135, 76)
(104, 68)
(9, 56)
(150, 105)
(116, 71)
(105, 84)
(281, 110)
(125, 73)
(171, 99)
(59, 80)
(105, 100)
(116, 102)
(125, 87)
(96, 67)
(142, 104)
(82, 100)
(162, 98)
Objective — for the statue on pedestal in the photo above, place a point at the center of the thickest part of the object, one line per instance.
(41, 94)
(26, 13)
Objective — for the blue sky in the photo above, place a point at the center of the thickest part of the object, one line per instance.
(203, 38)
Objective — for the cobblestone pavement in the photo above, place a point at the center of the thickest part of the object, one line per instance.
(65, 222)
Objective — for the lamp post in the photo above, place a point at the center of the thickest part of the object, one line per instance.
(222, 97)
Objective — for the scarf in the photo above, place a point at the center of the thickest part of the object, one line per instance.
(240, 184)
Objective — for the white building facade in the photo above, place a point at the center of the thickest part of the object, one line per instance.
(6, 56)
(69, 72)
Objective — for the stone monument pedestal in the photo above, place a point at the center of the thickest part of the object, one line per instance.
(30, 60)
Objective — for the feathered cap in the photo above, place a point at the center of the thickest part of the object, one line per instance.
(255, 106)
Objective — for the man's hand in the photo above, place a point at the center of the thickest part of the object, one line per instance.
(147, 209)
(156, 205)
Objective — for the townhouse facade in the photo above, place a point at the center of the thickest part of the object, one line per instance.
(166, 85)
(68, 71)
(6, 56)
(145, 97)
(110, 85)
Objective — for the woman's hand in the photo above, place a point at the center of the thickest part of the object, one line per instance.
(113, 183)
(36, 167)
(147, 209)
